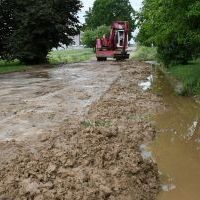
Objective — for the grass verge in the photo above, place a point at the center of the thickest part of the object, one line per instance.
(189, 75)
(14, 66)
(145, 53)
(55, 57)
(70, 56)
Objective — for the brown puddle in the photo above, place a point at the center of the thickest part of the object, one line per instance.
(176, 148)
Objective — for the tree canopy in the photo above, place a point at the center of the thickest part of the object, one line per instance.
(104, 12)
(30, 29)
(90, 36)
(6, 25)
(172, 26)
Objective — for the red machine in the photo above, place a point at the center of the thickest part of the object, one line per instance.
(116, 45)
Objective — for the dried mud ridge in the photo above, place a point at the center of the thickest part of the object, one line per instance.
(98, 158)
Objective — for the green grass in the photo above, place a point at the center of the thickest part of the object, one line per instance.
(55, 57)
(97, 123)
(145, 53)
(14, 66)
(189, 75)
(70, 56)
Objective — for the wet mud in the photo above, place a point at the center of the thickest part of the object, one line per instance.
(36, 102)
(94, 153)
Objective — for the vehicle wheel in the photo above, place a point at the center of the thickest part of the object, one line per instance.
(101, 58)
(119, 59)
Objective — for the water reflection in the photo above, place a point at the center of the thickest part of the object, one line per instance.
(176, 148)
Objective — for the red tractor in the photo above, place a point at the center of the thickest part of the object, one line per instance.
(116, 45)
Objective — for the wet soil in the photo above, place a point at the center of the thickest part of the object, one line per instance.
(36, 102)
(101, 117)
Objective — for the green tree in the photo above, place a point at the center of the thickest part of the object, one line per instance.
(104, 12)
(6, 25)
(173, 27)
(90, 36)
(38, 26)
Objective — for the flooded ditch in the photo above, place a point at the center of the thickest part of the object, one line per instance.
(176, 148)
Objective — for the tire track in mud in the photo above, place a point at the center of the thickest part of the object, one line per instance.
(96, 158)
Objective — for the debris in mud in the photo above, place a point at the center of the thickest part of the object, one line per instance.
(146, 84)
(98, 158)
(192, 130)
(167, 188)
(146, 154)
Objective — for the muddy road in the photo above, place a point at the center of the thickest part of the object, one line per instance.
(36, 102)
(75, 133)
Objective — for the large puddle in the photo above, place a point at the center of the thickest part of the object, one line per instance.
(176, 148)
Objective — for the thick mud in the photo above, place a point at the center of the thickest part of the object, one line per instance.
(94, 154)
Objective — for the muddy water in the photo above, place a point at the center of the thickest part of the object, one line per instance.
(177, 146)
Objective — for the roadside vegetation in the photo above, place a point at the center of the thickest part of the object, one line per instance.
(189, 75)
(30, 29)
(54, 57)
(173, 28)
(70, 56)
(145, 53)
(14, 66)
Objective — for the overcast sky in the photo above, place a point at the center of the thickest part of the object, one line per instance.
(88, 3)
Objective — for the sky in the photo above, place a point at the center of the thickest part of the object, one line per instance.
(88, 3)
